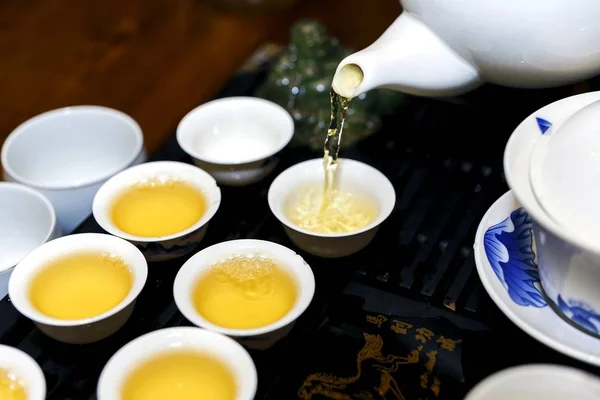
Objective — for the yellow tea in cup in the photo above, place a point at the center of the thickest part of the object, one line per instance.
(80, 285)
(180, 375)
(338, 213)
(11, 388)
(155, 208)
(244, 292)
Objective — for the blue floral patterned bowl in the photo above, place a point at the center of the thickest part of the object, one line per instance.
(569, 269)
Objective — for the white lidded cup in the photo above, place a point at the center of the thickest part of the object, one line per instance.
(159, 248)
(351, 176)
(68, 153)
(257, 338)
(27, 220)
(528, 382)
(161, 342)
(568, 259)
(86, 330)
(236, 139)
(25, 370)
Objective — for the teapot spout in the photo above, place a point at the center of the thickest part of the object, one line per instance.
(409, 58)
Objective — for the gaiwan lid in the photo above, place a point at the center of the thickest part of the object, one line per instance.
(565, 174)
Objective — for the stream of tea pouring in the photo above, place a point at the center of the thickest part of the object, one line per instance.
(335, 211)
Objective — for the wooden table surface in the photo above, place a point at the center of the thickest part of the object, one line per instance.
(153, 59)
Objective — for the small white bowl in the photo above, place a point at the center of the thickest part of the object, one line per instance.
(152, 344)
(353, 176)
(28, 221)
(86, 330)
(160, 248)
(25, 369)
(68, 153)
(258, 338)
(236, 139)
(548, 382)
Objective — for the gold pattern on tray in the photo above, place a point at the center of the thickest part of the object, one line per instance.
(448, 344)
(371, 359)
(400, 327)
(378, 320)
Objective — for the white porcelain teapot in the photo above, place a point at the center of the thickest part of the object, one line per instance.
(449, 47)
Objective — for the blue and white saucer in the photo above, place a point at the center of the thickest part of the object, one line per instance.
(506, 263)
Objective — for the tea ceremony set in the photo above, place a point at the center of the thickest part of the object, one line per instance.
(130, 278)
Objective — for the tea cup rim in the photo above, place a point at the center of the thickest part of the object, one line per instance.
(192, 270)
(126, 178)
(21, 128)
(383, 212)
(33, 192)
(502, 378)
(256, 102)
(29, 370)
(26, 269)
(144, 347)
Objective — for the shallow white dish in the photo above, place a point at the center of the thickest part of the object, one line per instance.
(529, 382)
(351, 175)
(124, 361)
(159, 248)
(86, 330)
(506, 261)
(258, 338)
(68, 153)
(27, 221)
(26, 369)
(236, 139)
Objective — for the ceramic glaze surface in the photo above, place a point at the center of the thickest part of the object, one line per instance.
(564, 174)
(509, 249)
(97, 141)
(506, 257)
(440, 48)
(509, 46)
(537, 381)
(569, 268)
(236, 139)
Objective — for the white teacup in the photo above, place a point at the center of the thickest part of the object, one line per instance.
(159, 248)
(544, 382)
(236, 139)
(353, 176)
(68, 153)
(25, 369)
(136, 352)
(27, 220)
(86, 330)
(569, 265)
(258, 338)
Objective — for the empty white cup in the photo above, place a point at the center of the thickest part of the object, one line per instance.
(27, 221)
(68, 153)
(236, 139)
